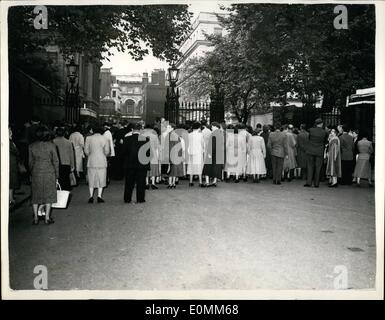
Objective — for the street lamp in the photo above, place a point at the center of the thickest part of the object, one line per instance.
(72, 106)
(217, 109)
(172, 97)
(173, 75)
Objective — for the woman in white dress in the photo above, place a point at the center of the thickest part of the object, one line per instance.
(234, 155)
(77, 140)
(256, 151)
(243, 137)
(195, 149)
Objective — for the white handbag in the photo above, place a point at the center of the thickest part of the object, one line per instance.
(62, 198)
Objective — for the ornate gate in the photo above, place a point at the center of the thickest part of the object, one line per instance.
(194, 111)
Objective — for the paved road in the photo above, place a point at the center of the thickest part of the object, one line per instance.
(235, 236)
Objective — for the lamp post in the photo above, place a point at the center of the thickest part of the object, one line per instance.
(72, 106)
(172, 98)
(217, 109)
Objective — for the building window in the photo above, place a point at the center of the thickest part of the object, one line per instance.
(114, 94)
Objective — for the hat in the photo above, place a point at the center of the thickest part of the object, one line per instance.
(318, 121)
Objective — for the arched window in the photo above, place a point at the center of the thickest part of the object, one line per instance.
(129, 106)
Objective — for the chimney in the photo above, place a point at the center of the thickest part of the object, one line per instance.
(155, 77)
(162, 78)
(145, 78)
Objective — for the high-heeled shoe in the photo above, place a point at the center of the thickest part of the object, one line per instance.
(49, 221)
(334, 185)
(169, 186)
(202, 185)
(154, 187)
(191, 184)
(173, 186)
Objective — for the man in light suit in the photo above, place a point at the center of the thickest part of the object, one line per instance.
(315, 151)
(136, 164)
(107, 133)
(277, 144)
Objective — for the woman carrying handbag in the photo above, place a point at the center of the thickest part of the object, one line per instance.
(44, 167)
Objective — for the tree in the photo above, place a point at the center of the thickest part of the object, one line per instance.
(242, 78)
(306, 53)
(270, 50)
(94, 30)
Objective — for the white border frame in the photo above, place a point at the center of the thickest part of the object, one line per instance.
(375, 294)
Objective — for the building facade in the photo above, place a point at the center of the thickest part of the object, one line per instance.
(135, 97)
(29, 98)
(196, 46)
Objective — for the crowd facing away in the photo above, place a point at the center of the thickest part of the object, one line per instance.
(60, 155)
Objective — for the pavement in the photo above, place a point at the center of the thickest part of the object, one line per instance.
(234, 236)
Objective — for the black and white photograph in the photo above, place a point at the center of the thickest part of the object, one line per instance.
(192, 149)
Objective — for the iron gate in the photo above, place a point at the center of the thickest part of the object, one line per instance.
(194, 111)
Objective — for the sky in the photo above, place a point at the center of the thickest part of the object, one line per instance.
(122, 64)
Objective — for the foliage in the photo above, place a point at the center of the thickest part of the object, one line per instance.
(270, 50)
(94, 30)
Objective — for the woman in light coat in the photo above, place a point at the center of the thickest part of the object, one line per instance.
(97, 148)
(290, 163)
(235, 160)
(77, 140)
(256, 151)
(195, 149)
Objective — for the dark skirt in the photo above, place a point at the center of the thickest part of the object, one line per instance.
(176, 170)
(43, 188)
(154, 170)
(14, 176)
(164, 168)
(213, 170)
(301, 159)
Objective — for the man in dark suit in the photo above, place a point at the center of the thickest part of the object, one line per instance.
(347, 156)
(315, 151)
(136, 164)
(277, 144)
(265, 135)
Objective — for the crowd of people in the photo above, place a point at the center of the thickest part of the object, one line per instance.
(163, 153)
